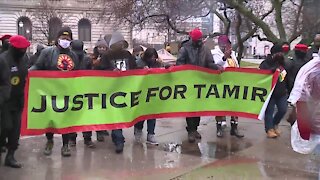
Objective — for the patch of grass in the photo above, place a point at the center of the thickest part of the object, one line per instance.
(248, 64)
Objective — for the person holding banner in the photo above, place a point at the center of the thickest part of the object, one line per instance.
(225, 57)
(58, 58)
(12, 111)
(117, 59)
(275, 62)
(5, 92)
(195, 53)
(85, 64)
(150, 59)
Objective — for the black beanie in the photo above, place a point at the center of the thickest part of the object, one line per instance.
(276, 48)
(65, 31)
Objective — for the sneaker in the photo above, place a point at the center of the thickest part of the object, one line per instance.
(138, 134)
(191, 137)
(48, 148)
(197, 135)
(271, 133)
(151, 139)
(119, 148)
(100, 137)
(89, 144)
(72, 143)
(65, 151)
(277, 130)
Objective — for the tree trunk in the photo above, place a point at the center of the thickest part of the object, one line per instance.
(239, 39)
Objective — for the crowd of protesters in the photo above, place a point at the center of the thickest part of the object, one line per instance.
(68, 55)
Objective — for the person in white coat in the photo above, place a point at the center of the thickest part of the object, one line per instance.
(225, 57)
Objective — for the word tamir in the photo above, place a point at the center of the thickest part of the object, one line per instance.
(118, 99)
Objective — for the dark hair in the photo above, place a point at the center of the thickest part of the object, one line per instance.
(137, 49)
(149, 53)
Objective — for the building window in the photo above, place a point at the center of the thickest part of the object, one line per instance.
(84, 30)
(55, 25)
(25, 27)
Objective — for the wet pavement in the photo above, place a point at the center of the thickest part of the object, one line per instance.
(253, 157)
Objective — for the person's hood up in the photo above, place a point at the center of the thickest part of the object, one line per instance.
(77, 46)
(101, 42)
(117, 37)
(40, 47)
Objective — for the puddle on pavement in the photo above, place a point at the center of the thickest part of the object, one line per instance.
(216, 150)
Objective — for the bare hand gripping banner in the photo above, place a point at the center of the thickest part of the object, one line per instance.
(64, 102)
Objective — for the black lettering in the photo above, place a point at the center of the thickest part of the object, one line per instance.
(179, 89)
(90, 99)
(113, 97)
(213, 90)
(199, 87)
(163, 97)
(135, 98)
(235, 89)
(77, 102)
(65, 106)
(245, 92)
(43, 106)
(151, 93)
(260, 92)
(104, 101)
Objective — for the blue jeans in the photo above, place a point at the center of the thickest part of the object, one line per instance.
(271, 120)
(117, 136)
(151, 123)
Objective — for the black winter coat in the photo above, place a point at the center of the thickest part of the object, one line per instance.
(198, 56)
(281, 88)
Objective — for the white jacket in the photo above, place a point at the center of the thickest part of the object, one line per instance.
(300, 81)
(218, 55)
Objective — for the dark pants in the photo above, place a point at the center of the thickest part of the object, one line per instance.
(219, 119)
(65, 138)
(151, 124)
(11, 124)
(271, 120)
(86, 136)
(117, 136)
(192, 123)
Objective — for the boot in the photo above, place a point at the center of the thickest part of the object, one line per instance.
(219, 130)
(100, 137)
(119, 148)
(11, 161)
(48, 148)
(271, 134)
(191, 137)
(234, 130)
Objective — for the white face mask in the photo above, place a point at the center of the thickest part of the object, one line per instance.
(64, 43)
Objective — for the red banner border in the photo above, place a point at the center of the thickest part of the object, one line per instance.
(58, 74)
(26, 132)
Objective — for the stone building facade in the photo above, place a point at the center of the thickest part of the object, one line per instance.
(39, 20)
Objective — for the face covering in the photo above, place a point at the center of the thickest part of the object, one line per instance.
(18, 53)
(64, 43)
(198, 43)
(300, 54)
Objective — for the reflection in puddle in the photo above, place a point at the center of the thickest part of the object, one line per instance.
(173, 147)
(217, 150)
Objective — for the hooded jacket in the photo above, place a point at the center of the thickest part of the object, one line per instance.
(34, 58)
(198, 56)
(117, 58)
(282, 84)
(84, 59)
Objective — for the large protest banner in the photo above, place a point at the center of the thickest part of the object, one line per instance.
(63, 102)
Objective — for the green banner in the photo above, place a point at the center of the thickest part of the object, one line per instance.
(63, 102)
